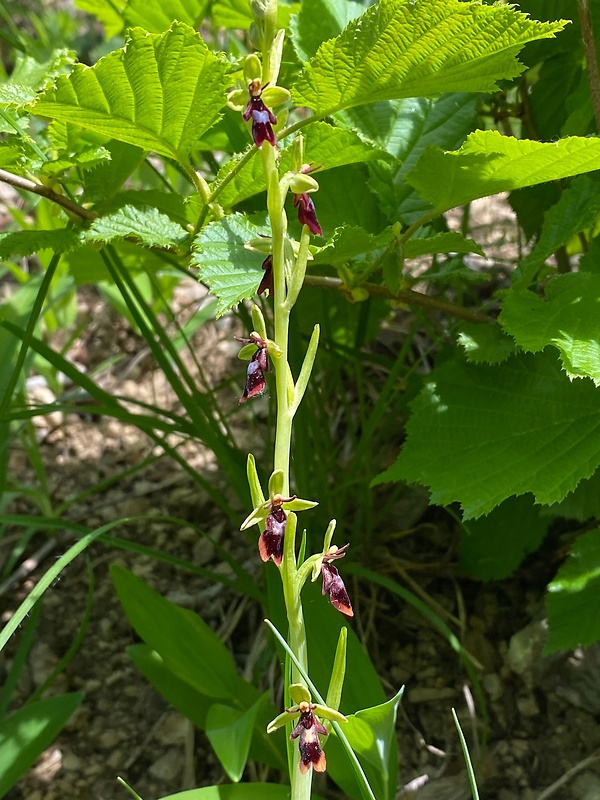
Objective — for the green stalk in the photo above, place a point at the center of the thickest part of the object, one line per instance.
(301, 784)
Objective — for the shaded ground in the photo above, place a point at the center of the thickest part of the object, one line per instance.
(543, 712)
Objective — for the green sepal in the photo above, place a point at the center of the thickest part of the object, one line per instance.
(259, 322)
(281, 719)
(329, 535)
(299, 505)
(299, 693)
(275, 96)
(338, 673)
(256, 516)
(329, 713)
(276, 484)
(247, 352)
(252, 68)
(256, 492)
(302, 184)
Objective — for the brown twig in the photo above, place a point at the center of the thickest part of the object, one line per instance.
(406, 296)
(44, 191)
(589, 46)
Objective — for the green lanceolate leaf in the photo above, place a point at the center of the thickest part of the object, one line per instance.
(158, 15)
(323, 144)
(569, 319)
(160, 92)
(183, 640)
(480, 434)
(423, 48)
(573, 598)
(448, 242)
(489, 163)
(372, 734)
(229, 731)
(232, 272)
(243, 791)
(28, 732)
(148, 225)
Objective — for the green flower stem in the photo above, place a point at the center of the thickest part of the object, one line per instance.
(301, 784)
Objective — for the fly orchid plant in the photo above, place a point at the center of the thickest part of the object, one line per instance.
(284, 270)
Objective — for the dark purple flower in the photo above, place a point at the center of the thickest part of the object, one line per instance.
(308, 729)
(333, 583)
(270, 542)
(259, 364)
(307, 214)
(262, 117)
(266, 283)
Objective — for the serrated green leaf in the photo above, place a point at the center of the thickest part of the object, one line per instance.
(160, 92)
(157, 16)
(106, 179)
(232, 272)
(169, 203)
(348, 242)
(24, 243)
(577, 209)
(28, 732)
(485, 344)
(492, 547)
(479, 434)
(12, 155)
(152, 228)
(573, 599)
(323, 144)
(229, 731)
(16, 95)
(590, 261)
(29, 72)
(405, 128)
(410, 49)
(319, 20)
(447, 242)
(108, 12)
(569, 319)
(489, 163)
(581, 504)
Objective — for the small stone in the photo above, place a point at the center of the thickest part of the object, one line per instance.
(43, 661)
(187, 535)
(204, 550)
(172, 729)
(168, 766)
(71, 762)
(425, 694)
(526, 646)
(109, 740)
(493, 686)
(586, 786)
(528, 707)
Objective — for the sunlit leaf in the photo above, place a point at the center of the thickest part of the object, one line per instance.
(232, 272)
(158, 15)
(148, 225)
(573, 599)
(410, 49)
(160, 92)
(568, 318)
(108, 12)
(489, 163)
(479, 434)
(229, 731)
(319, 20)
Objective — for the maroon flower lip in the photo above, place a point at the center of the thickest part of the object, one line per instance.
(262, 117)
(307, 731)
(259, 364)
(270, 542)
(332, 580)
(307, 214)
